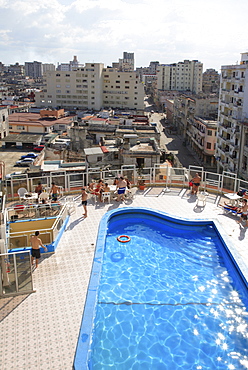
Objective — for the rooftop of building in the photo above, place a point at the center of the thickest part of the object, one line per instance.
(50, 318)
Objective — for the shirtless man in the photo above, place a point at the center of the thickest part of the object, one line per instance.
(196, 183)
(84, 201)
(121, 188)
(244, 212)
(55, 192)
(35, 251)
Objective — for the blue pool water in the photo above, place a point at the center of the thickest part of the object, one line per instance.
(168, 299)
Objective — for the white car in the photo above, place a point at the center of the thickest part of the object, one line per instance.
(25, 162)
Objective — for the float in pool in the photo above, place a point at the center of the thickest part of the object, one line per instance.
(172, 297)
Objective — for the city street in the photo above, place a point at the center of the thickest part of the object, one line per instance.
(171, 143)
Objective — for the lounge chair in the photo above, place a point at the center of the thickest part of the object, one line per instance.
(228, 208)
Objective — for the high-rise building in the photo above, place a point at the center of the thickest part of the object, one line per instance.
(181, 76)
(232, 136)
(33, 69)
(91, 87)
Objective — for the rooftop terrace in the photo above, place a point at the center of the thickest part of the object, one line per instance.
(40, 331)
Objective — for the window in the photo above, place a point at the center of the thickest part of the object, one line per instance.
(57, 74)
(209, 132)
(208, 145)
(58, 91)
(58, 86)
(67, 75)
(99, 159)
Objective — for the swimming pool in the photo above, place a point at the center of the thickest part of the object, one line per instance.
(171, 298)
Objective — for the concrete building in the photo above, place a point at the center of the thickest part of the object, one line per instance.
(126, 64)
(4, 122)
(92, 87)
(36, 124)
(47, 67)
(122, 90)
(131, 150)
(181, 76)
(72, 65)
(16, 69)
(33, 69)
(232, 136)
(211, 81)
(201, 136)
(186, 107)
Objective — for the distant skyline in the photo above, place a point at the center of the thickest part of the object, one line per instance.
(53, 31)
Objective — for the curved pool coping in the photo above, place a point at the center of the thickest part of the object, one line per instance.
(85, 333)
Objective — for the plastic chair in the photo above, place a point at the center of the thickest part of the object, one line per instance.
(201, 200)
(44, 197)
(106, 195)
(21, 192)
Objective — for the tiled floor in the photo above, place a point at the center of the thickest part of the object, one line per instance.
(40, 331)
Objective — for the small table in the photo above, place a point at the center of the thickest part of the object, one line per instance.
(233, 197)
(31, 196)
(113, 189)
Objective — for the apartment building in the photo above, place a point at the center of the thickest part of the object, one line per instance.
(33, 69)
(122, 90)
(201, 136)
(186, 107)
(47, 67)
(181, 76)
(211, 81)
(91, 87)
(4, 122)
(232, 136)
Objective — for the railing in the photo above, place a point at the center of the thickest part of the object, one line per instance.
(159, 175)
(21, 239)
(16, 274)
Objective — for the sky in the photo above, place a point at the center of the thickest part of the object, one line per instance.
(213, 32)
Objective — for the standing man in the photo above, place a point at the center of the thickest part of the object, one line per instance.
(55, 192)
(36, 243)
(196, 181)
(121, 188)
(84, 201)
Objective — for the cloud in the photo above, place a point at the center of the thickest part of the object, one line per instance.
(55, 30)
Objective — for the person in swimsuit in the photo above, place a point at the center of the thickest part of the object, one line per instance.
(36, 243)
(121, 188)
(196, 181)
(55, 192)
(244, 213)
(38, 189)
(84, 201)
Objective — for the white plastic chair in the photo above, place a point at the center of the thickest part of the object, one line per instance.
(106, 195)
(44, 197)
(21, 192)
(201, 200)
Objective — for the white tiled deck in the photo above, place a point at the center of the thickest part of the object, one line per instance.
(40, 331)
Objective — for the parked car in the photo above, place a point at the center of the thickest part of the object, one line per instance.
(39, 148)
(10, 175)
(29, 155)
(25, 162)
